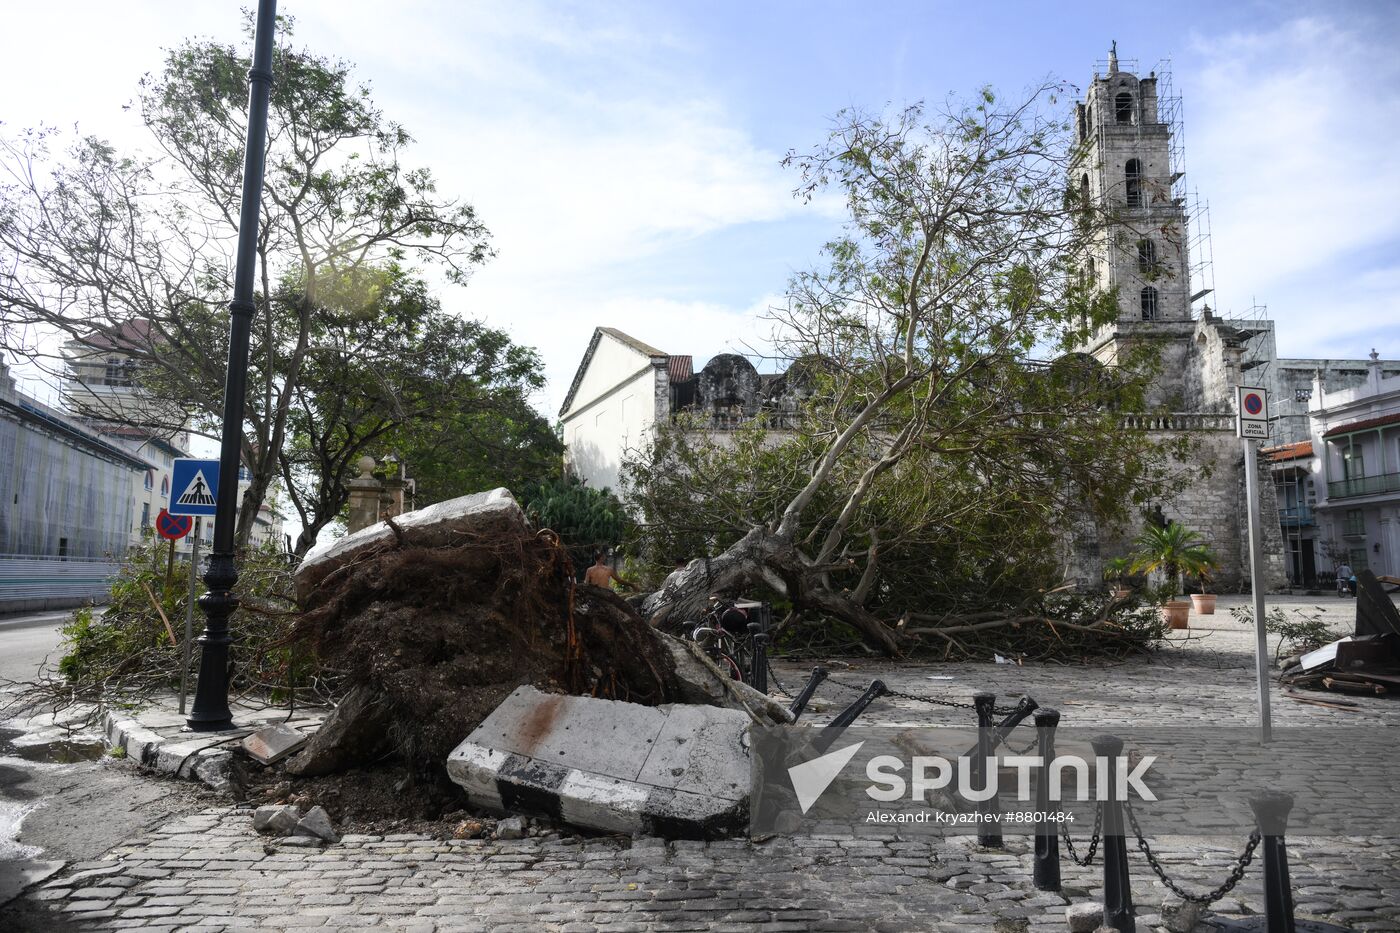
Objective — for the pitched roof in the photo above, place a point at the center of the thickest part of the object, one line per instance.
(133, 335)
(680, 368)
(1288, 451)
(1377, 422)
(598, 332)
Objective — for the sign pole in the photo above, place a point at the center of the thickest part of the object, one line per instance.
(1251, 422)
(189, 619)
(1256, 584)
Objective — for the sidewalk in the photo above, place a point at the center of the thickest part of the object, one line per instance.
(155, 735)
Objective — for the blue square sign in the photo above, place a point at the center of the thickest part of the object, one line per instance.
(194, 487)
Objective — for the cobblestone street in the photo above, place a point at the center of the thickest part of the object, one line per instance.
(210, 871)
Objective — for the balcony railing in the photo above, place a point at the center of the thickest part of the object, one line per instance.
(1181, 421)
(1295, 515)
(1364, 486)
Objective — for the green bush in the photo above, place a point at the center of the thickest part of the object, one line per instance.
(126, 646)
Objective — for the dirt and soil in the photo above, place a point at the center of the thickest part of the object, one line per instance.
(435, 638)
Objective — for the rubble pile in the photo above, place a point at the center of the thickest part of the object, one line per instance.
(1366, 662)
(434, 618)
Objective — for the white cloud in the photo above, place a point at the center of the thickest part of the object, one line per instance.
(1292, 139)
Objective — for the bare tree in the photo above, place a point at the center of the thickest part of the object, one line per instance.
(110, 251)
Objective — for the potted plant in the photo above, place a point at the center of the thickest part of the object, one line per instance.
(1172, 549)
(1204, 602)
(1114, 571)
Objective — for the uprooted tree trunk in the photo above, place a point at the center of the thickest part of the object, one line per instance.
(770, 559)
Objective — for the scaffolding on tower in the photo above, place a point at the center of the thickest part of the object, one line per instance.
(1200, 260)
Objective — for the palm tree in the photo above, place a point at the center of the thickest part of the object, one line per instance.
(1173, 549)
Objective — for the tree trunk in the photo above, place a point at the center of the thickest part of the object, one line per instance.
(760, 558)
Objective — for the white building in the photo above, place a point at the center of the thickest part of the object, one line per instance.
(622, 388)
(1350, 476)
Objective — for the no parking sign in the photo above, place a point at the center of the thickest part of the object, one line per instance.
(1253, 412)
(173, 527)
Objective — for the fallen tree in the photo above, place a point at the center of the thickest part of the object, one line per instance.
(932, 467)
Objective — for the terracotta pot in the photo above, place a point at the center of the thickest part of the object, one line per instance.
(1120, 591)
(1177, 613)
(1203, 603)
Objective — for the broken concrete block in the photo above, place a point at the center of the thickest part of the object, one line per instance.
(317, 823)
(269, 746)
(1084, 918)
(276, 820)
(680, 771)
(481, 514)
(702, 682)
(356, 731)
(512, 827)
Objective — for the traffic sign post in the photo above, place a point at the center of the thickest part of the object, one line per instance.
(194, 487)
(1251, 422)
(189, 617)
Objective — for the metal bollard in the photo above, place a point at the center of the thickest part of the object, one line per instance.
(1271, 809)
(758, 665)
(798, 705)
(848, 715)
(1117, 893)
(1046, 873)
(1024, 708)
(988, 825)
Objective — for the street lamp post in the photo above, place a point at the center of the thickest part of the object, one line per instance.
(210, 711)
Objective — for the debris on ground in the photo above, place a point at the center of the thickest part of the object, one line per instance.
(427, 623)
(288, 820)
(1365, 663)
(270, 745)
(679, 771)
(432, 627)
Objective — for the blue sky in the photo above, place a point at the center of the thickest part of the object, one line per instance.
(626, 155)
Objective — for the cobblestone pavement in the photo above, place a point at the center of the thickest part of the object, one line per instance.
(210, 871)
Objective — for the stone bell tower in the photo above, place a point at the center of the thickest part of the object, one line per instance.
(1126, 169)
(1129, 169)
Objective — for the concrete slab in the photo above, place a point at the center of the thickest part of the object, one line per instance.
(269, 746)
(586, 736)
(699, 751)
(680, 771)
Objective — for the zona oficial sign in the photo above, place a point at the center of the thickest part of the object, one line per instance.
(1252, 419)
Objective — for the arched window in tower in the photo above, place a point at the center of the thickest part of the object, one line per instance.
(1093, 273)
(1147, 257)
(1123, 108)
(1084, 190)
(1148, 300)
(1132, 175)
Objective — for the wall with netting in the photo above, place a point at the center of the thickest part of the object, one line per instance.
(59, 498)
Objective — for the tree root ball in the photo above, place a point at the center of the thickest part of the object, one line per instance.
(430, 640)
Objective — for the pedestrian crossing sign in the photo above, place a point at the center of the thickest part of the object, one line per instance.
(194, 486)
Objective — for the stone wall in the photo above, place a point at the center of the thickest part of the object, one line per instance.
(1209, 499)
